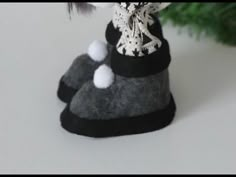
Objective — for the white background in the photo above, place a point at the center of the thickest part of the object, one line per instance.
(38, 42)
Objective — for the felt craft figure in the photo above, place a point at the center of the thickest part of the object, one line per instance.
(120, 87)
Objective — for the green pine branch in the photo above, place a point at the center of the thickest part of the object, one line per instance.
(217, 20)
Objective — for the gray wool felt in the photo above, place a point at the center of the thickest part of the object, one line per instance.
(126, 97)
(82, 70)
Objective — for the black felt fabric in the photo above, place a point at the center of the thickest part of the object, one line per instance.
(118, 127)
(128, 66)
(64, 92)
(112, 35)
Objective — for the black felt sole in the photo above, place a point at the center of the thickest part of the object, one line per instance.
(118, 127)
(65, 93)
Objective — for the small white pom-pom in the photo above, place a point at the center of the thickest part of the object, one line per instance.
(103, 77)
(98, 50)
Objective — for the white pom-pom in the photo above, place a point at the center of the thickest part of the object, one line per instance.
(98, 50)
(103, 77)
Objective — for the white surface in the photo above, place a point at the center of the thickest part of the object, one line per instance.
(38, 43)
(102, 5)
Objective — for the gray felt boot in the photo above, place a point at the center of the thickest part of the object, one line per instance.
(132, 95)
(124, 103)
(83, 67)
(82, 70)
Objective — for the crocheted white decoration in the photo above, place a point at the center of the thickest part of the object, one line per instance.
(132, 19)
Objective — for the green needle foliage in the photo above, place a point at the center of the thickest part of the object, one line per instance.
(217, 20)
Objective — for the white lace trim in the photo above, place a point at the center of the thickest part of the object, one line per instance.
(132, 19)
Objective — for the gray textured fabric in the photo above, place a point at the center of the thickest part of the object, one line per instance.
(127, 97)
(82, 70)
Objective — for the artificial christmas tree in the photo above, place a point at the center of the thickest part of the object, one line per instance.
(217, 20)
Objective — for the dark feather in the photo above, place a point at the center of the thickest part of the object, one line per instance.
(81, 7)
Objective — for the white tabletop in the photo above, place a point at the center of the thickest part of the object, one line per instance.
(38, 43)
